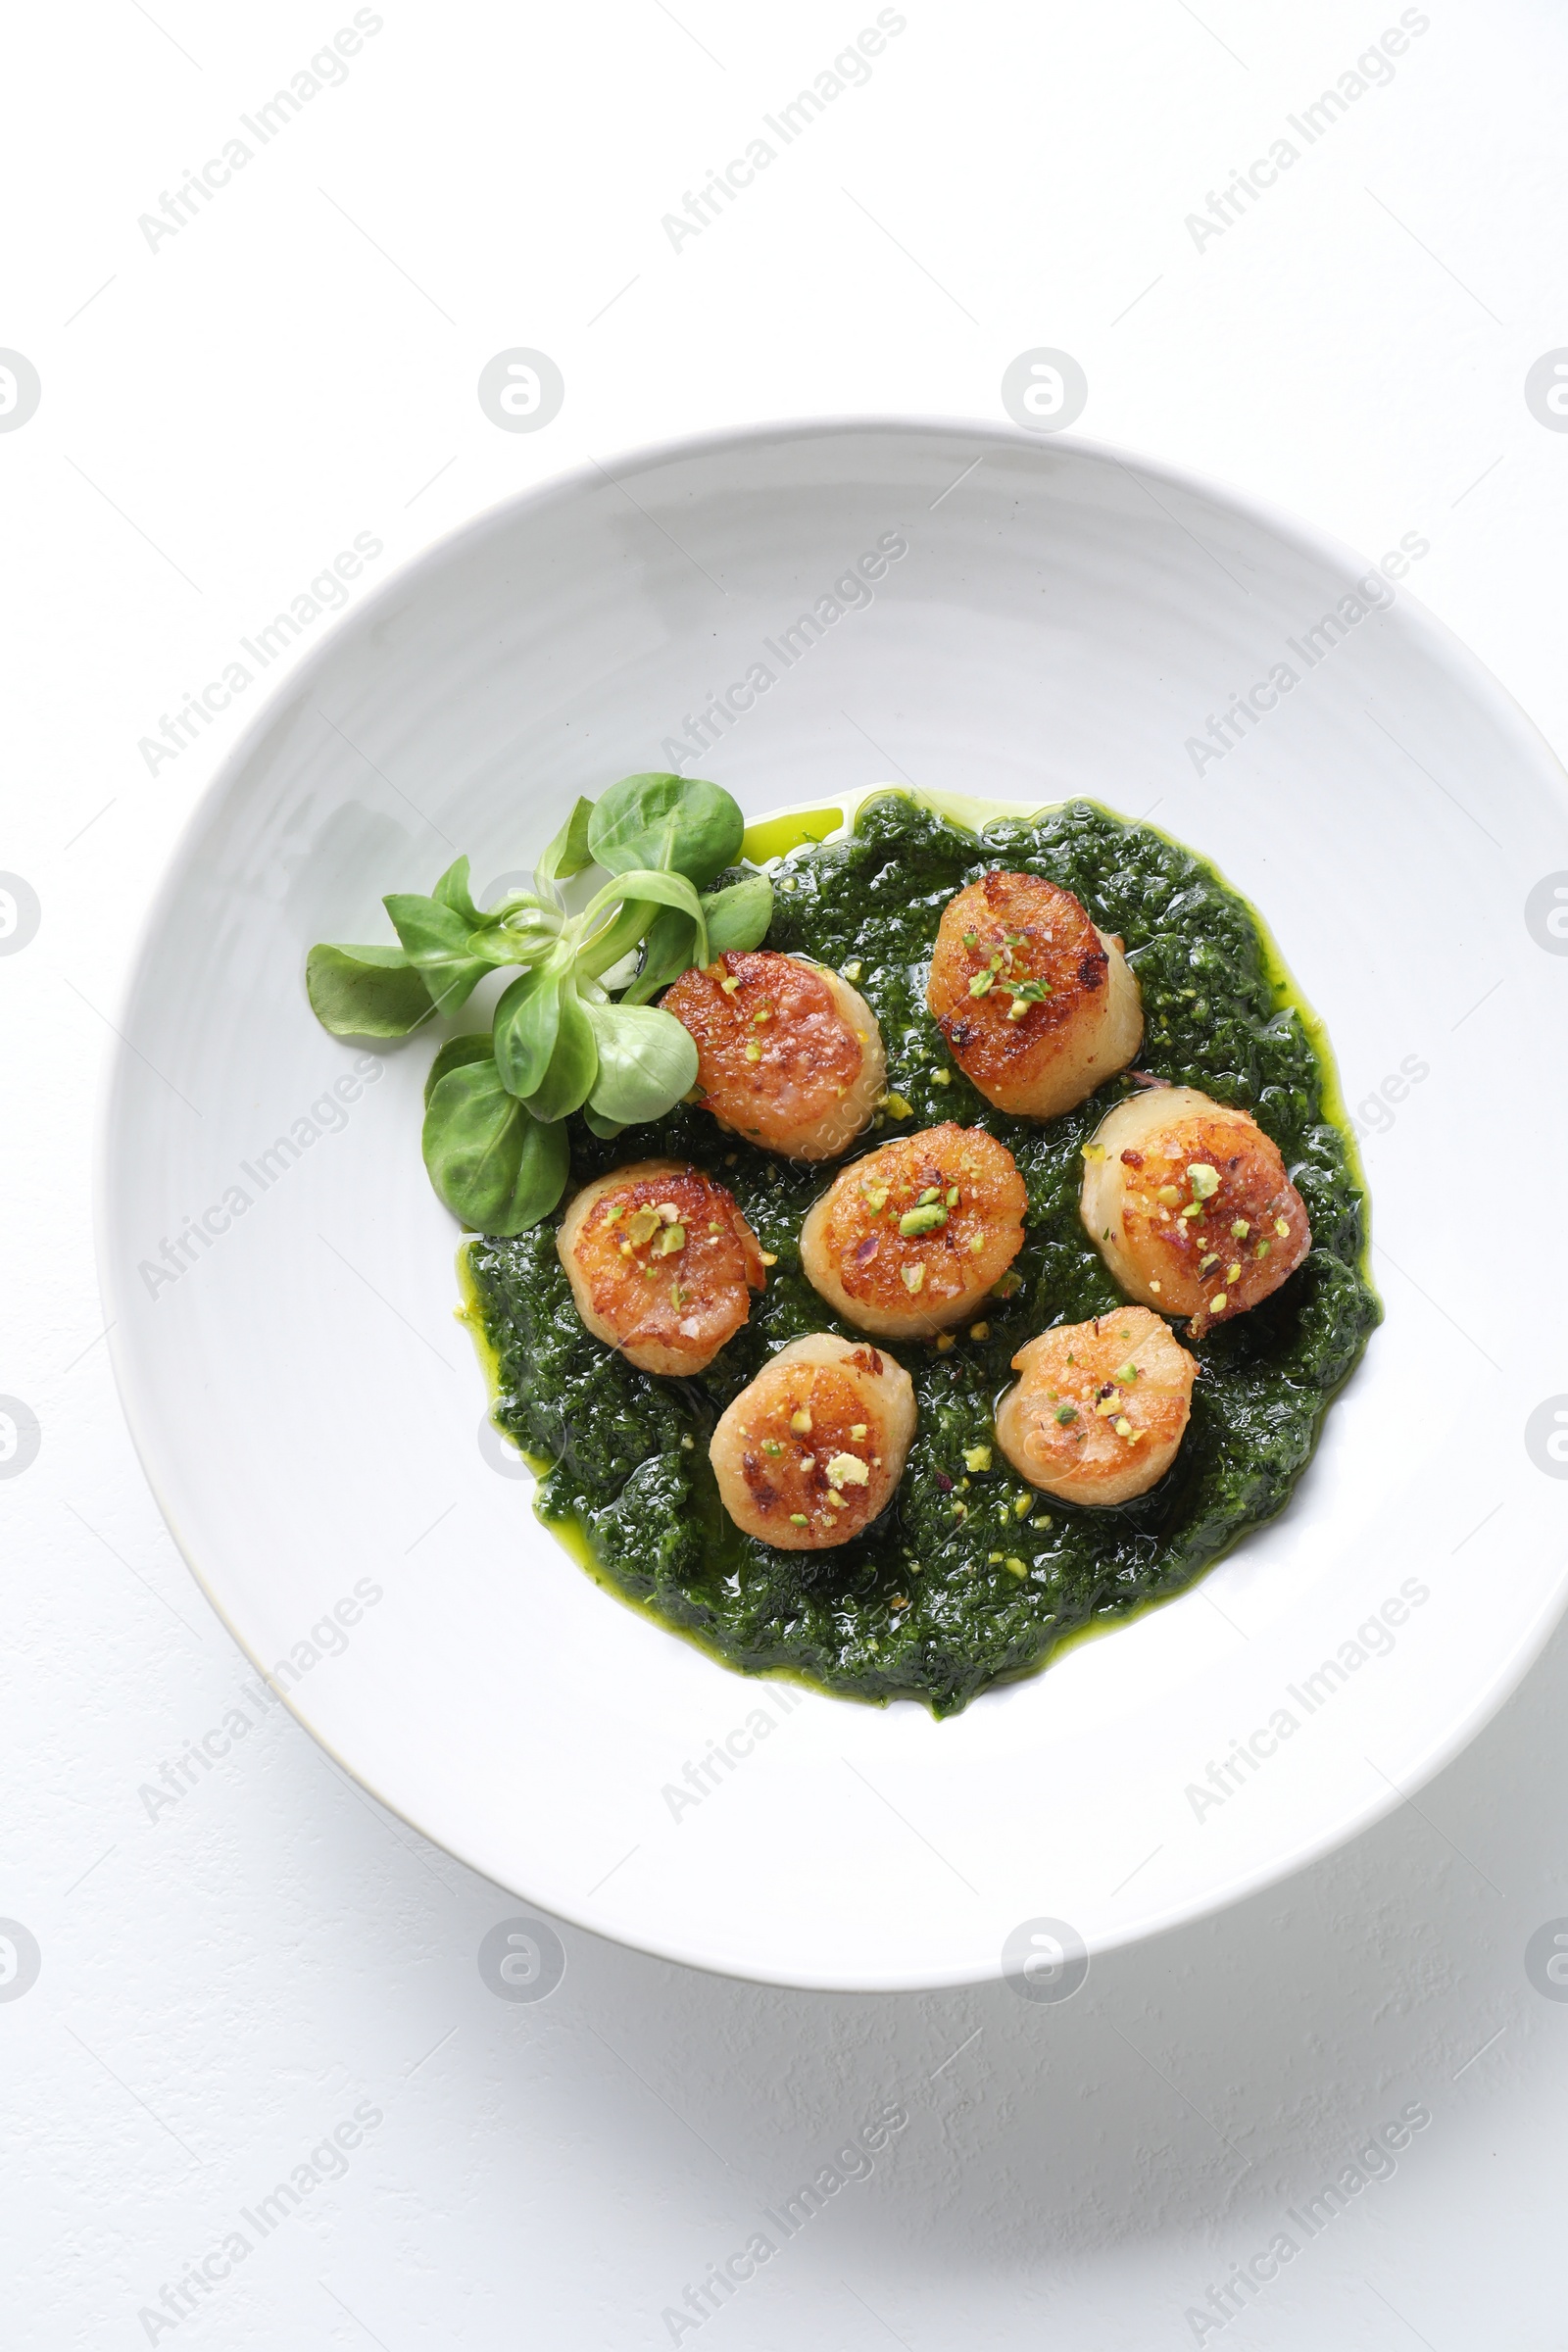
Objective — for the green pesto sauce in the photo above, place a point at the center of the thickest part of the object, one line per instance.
(918, 1606)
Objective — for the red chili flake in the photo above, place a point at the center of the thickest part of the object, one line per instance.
(1132, 1159)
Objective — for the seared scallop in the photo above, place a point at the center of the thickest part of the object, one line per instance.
(909, 1239)
(1038, 1006)
(788, 1055)
(811, 1451)
(1189, 1205)
(1100, 1409)
(662, 1263)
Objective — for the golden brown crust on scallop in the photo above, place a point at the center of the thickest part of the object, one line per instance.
(1038, 1006)
(959, 1193)
(1100, 1409)
(811, 1451)
(669, 1303)
(788, 1055)
(1189, 1204)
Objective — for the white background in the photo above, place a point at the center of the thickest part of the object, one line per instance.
(221, 414)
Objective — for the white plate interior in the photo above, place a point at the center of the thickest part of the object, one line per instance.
(1046, 619)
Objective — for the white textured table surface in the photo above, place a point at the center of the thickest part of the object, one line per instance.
(238, 1958)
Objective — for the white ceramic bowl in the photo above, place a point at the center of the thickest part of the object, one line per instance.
(1049, 619)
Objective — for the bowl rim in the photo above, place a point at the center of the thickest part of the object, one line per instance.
(540, 497)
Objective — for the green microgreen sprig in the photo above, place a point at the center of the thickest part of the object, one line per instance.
(561, 1040)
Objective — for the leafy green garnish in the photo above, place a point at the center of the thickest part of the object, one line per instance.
(494, 1164)
(365, 992)
(666, 820)
(495, 1143)
(647, 1061)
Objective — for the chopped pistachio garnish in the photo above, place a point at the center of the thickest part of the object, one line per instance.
(1127, 1373)
(1153, 1285)
(1092, 1150)
(971, 939)
(835, 1500)
(1261, 1249)
(642, 1226)
(1282, 1226)
(979, 1331)
(1218, 1302)
(1204, 1180)
(896, 1106)
(671, 1240)
(852, 971)
(848, 1470)
(977, 1457)
(914, 1278)
(946, 1343)
(769, 1257)
(1233, 1273)
(801, 1422)
(1018, 1009)
(857, 1429)
(771, 1446)
(1014, 1567)
(613, 1215)
(981, 984)
(1210, 1258)
(875, 1197)
(977, 1242)
(924, 1219)
(799, 1519)
(1168, 1194)
(765, 1015)
(1022, 1506)
(1066, 1413)
(1240, 1230)
(729, 985)
(754, 1053)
